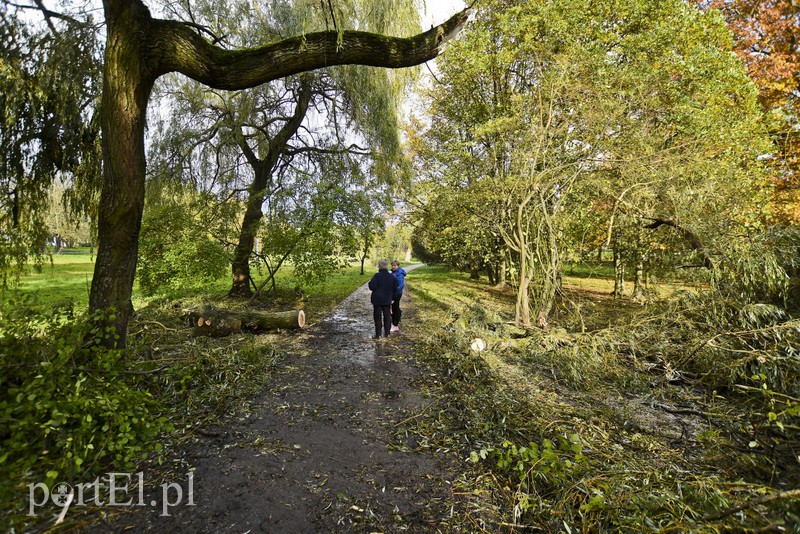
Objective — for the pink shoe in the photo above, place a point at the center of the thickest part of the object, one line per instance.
(395, 330)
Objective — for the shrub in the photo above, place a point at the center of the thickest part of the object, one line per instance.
(69, 408)
(176, 251)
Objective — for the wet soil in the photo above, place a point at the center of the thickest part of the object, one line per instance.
(317, 451)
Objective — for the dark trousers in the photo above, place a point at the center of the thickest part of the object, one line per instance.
(382, 314)
(396, 312)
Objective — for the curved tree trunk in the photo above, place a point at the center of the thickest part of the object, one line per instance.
(260, 189)
(138, 50)
(127, 83)
(240, 266)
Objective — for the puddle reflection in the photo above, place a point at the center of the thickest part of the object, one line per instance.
(349, 329)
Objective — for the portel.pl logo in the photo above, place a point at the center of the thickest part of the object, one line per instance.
(112, 489)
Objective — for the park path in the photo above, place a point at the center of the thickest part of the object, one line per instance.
(318, 451)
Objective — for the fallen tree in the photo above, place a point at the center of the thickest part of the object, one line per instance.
(214, 323)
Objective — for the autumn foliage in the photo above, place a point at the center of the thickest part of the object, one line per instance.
(767, 37)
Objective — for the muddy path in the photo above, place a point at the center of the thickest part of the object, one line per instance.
(318, 450)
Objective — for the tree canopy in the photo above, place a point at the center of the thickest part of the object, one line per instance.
(140, 48)
(625, 106)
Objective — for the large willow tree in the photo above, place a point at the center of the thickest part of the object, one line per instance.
(286, 130)
(49, 86)
(139, 49)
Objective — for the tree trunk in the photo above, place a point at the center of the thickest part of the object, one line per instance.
(260, 189)
(523, 301)
(221, 324)
(240, 265)
(490, 273)
(217, 326)
(138, 50)
(638, 281)
(619, 273)
(501, 273)
(127, 83)
(549, 262)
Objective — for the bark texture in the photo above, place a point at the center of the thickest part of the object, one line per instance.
(220, 324)
(127, 83)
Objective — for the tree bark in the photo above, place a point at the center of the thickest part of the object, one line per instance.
(638, 282)
(501, 273)
(221, 324)
(619, 273)
(138, 50)
(127, 83)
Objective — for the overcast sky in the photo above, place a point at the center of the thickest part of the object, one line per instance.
(437, 11)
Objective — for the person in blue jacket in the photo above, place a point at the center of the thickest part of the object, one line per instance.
(383, 286)
(400, 274)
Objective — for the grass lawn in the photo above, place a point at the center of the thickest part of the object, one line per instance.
(68, 276)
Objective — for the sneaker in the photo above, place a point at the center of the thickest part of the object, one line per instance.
(395, 329)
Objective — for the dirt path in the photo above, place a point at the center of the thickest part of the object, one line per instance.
(317, 452)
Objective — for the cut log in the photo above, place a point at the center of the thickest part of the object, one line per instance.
(221, 324)
(217, 326)
(261, 321)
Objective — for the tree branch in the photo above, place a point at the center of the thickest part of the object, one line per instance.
(48, 14)
(174, 46)
(687, 234)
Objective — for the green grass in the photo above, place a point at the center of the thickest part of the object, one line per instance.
(62, 277)
(589, 270)
(68, 277)
(192, 382)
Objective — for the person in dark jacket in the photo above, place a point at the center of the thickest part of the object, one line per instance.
(383, 286)
(400, 274)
